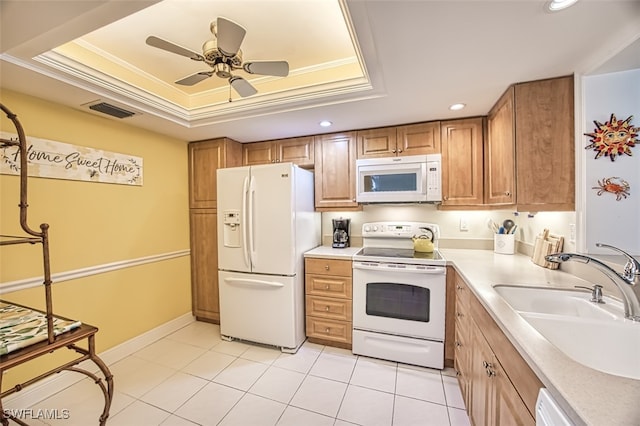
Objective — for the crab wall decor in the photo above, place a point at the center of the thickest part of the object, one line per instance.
(613, 138)
(615, 185)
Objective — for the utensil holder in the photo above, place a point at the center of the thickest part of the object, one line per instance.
(504, 243)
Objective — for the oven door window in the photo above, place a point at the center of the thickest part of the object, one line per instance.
(399, 301)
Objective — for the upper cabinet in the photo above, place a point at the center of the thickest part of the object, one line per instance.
(529, 153)
(299, 151)
(499, 152)
(412, 139)
(335, 171)
(205, 158)
(545, 148)
(462, 162)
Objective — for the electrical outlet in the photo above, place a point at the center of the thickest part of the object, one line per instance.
(464, 225)
(572, 233)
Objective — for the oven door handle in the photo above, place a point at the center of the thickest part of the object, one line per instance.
(414, 269)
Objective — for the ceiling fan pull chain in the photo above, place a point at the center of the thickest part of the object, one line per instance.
(229, 92)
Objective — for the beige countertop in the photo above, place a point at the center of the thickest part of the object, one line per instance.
(328, 252)
(587, 395)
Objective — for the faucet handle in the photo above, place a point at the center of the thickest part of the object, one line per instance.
(631, 268)
(596, 292)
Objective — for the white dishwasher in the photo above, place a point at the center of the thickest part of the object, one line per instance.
(548, 412)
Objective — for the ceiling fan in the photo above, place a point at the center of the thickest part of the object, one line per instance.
(222, 53)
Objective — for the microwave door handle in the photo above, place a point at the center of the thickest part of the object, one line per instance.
(245, 243)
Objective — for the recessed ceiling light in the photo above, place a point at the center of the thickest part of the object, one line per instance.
(556, 5)
(457, 107)
(325, 123)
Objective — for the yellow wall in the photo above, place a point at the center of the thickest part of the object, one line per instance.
(93, 224)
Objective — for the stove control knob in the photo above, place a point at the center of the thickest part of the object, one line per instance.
(375, 228)
(367, 228)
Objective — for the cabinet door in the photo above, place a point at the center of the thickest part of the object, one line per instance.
(500, 156)
(545, 145)
(335, 180)
(421, 138)
(298, 151)
(508, 407)
(258, 153)
(204, 159)
(374, 143)
(204, 264)
(462, 162)
(481, 387)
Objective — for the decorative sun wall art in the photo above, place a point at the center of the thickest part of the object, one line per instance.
(614, 185)
(613, 138)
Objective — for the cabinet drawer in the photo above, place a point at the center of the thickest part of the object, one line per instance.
(325, 285)
(337, 309)
(327, 267)
(339, 331)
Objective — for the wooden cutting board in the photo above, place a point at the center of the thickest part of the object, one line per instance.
(546, 244)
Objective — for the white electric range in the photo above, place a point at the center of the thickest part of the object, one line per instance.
(399, 295)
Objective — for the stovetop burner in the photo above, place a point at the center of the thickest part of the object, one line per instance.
(391, 242)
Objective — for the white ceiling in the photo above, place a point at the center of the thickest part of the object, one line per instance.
(412, 59)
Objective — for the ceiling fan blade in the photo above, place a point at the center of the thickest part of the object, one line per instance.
(242, 86)
(195, 78)
(173, 48)
(277, 68)
(229, 35)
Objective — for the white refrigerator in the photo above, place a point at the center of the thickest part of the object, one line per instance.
(266, 221)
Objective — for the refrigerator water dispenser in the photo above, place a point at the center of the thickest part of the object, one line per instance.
(231, 221)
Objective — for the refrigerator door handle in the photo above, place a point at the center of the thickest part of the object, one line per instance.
(252, 283)
(245, 245)
(252, 248)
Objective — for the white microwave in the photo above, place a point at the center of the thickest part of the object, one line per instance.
(410, 179)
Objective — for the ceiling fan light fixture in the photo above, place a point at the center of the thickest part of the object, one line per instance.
(222, 70)
(325, 123)
(457, 107)
(557, 5)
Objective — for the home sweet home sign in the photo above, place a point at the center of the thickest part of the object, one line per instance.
(57, 160)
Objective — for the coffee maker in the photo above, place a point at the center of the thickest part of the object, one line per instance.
(340, 233)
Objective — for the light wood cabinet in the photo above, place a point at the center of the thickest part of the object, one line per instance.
(462, 162)
(335, 171)
(299, 151)
(498, 386)
(530, 147)
(545, 148)
(499, 152)
(328, 301)
(411, 139)
(205, 158)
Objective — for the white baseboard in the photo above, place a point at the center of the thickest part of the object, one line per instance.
(57, 382)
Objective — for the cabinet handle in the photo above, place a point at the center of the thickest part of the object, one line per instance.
(327, 308)
(508, 194)
(393, 150)
(458, 287)
(459, 314)
(326, 267)
(399, 151)
(485, 364)
(326, 287)
(327, 330)
(458, 344)
(445, 198)
(490, 373)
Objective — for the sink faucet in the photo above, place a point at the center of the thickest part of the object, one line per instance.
(627, 281)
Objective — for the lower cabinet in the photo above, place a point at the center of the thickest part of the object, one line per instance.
(328, 300)
(204, 264)
(498, 386)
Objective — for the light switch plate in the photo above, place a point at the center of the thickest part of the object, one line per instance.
(464, 225)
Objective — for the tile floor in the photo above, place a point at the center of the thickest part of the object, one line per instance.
(192, 377)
